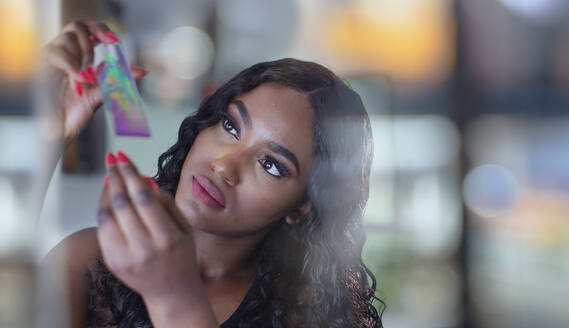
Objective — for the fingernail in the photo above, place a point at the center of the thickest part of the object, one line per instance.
(91, 73)
(110, 159)
(112, 37)
(79, 88)
(123, 159)
(94, 39)
(84, 76)
(152, 183)
(87, 77)
(106, 181)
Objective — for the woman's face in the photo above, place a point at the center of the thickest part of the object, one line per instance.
(251, 169)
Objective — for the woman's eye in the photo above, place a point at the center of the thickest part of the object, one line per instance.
(273, 167)
(230, 128)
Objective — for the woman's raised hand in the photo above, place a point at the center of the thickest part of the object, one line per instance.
(148, 244)
(145, 241)
(69, 59)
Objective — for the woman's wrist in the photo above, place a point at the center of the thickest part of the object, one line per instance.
(190, 308)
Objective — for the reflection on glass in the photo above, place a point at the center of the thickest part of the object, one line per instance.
(413, 218)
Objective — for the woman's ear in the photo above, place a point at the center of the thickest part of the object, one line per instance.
(299, 214)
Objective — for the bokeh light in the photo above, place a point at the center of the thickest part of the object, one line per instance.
(186, 52)
(490, 190)
(409, 40)
(537, 10)
(18, 39)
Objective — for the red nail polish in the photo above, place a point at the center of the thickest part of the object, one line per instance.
(152, 183)
(112, 37)
(106, 181)
(110, 159)
(79, 88)
(84, 76)
(123, 159)
(87, 77)
(94, 40)
(91, 73)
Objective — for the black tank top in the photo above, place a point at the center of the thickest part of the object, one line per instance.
(111, 282)
(252, 293)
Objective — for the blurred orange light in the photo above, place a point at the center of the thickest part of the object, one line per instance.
(407, 40)
(541, 218)
(18, 39)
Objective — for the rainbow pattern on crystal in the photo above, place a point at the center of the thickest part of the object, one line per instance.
(120, 95)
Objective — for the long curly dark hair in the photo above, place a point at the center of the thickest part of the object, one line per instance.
(309, 274)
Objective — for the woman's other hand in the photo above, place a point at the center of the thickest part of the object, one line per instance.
(69, 59)
(145, 240)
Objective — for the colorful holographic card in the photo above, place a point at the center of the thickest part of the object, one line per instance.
(120, 94)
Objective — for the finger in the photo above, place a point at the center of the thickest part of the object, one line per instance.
(169, 204)
(101, 32)
(94, 40)
(152, 183)
(82, 34)
(138, 72)
(110, 238)
(105, 213)
(70, 42)
(126, 216)
(93, 96)
(60, 57)
(157, 220)
(63, 57)
(93, 93)
(112, 243)
(104, 204)
(148, 180)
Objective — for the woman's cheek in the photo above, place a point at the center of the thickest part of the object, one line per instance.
(273, 201)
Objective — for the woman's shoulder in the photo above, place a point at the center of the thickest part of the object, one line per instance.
(79, 250)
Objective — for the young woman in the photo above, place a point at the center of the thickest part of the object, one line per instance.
(257, 219)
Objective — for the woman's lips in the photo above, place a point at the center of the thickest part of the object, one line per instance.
(205, 191)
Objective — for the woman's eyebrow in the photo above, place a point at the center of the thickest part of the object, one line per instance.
(285, 153)
(243, 112)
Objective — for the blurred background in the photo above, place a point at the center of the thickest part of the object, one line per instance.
(468, 216)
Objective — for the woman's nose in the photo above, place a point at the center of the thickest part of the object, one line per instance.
(226, 167)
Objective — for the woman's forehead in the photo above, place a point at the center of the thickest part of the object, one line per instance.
(279, 113)
(276, 100)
